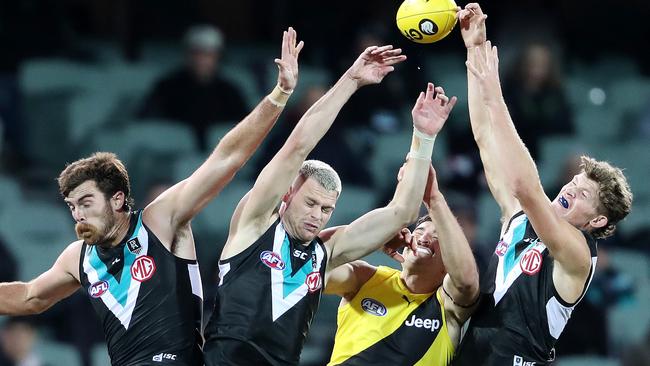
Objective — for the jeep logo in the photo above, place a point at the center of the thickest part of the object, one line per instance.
(432, 324)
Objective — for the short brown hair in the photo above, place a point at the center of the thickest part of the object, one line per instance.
(105, 169)
(614, 193)
(422, 219)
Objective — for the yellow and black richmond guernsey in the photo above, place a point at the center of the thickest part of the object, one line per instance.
(386, 324)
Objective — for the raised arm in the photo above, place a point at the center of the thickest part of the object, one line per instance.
(566, 243)
(38, 295)
(472, 25)
(274, 180)
(460, 285)
(179, 204)
(369, 232)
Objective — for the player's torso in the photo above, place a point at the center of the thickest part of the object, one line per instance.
(148, 300)
(385, 324)
(266, 299)
(520, 316)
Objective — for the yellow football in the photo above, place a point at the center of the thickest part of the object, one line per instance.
(426, 21)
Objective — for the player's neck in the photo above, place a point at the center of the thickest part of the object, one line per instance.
(120, 229)
(418, 280)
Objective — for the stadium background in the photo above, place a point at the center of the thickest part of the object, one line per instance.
(73, 75)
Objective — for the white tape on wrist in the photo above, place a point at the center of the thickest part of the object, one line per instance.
(422, 145)
(279, 96)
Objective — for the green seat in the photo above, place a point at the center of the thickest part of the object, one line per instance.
(352, 204)
(489, 218)
(52, 74)
(87, 113)
(214, 219)
(595, 124)
(99, 355)
(631, 96)
(586, 360)
(388, 156)
(57, 353)
(36, 234)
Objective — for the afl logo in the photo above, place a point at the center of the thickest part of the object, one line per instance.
(313, 281)
(531, 262)
(272, 260)
(501, 249)
(374, 307)
(98, 289)
(143, 268)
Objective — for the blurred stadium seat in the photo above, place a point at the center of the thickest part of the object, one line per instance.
(352, 204)
(57, 353)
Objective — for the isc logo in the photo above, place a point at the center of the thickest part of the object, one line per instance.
(98, 289)
(164, 356)
(272, 260)
(374, 307)
(143, 268)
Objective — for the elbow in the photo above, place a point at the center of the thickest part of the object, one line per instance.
(524, 187)
(405, 214)
(468, 285)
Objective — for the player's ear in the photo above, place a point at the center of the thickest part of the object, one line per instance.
(598, 222)
(287, 196)
(117, 201)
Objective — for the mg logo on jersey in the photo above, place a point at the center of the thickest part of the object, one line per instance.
(374, 307)
(98, 289)
(531, 262)
(501, 249)
(313, 281)
(272, 260)
(143, 268)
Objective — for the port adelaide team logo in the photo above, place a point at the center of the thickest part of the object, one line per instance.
(97, 289)
(143, 268)
(272, 260)
(374, 307)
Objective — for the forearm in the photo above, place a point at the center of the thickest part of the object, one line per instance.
(454, 247)
(521, 175)
(319, 117)
(14, 299)
(414, 180)
(483, 135)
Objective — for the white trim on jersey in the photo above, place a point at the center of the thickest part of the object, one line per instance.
(502, 284)
(223, 271)
(280, 304)
(557, 314)
(123, 313)
(195, 279)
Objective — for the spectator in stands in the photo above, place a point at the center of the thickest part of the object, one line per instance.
(17, 338)
(534, 93)
(195, 93)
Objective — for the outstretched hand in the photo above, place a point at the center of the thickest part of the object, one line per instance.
(402, 239)
(432, 109)
(485, 67)
(472, 25)
(374, 64)
(288, 61)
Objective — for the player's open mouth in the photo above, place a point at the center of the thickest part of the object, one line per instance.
(563, 202)
(422, 250)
